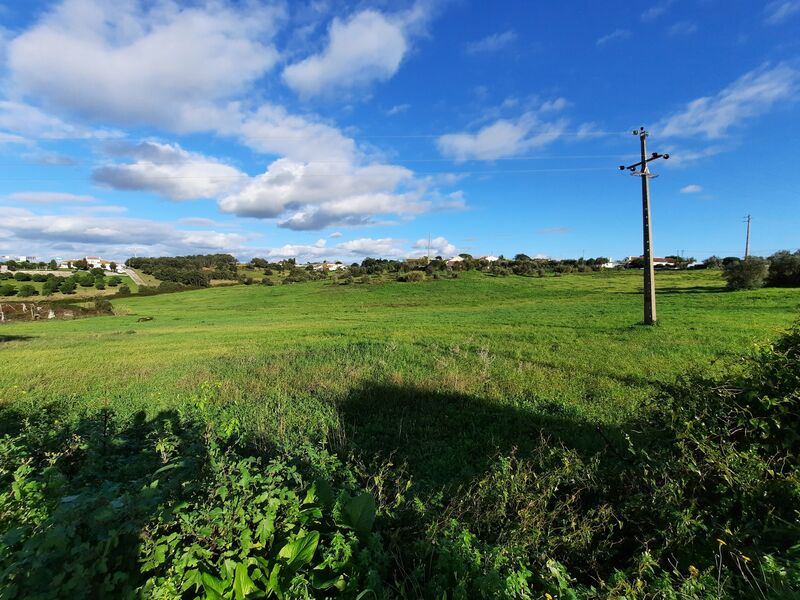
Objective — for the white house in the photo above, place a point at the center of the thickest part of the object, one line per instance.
(94, 262)
(455, 260)
(490, 258)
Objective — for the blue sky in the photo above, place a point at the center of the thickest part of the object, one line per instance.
(336, 130)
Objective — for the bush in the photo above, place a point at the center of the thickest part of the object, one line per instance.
(124, 290)
(26, 291)
(412, 276)
(267, 281)
(7, 290)
(22, 276)
(67, 286)
(103, 305)
(784, 269)
(746, 274)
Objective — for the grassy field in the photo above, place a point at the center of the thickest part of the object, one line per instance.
(382, 367)
(477, 437)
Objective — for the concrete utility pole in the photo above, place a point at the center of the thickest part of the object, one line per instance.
(747, 241)
(649, 275)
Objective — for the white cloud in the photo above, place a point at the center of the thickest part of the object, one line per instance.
(439, 246)
(120, 237)
(749, 96)
(503, 138)
(346, 251)
(168, 170)
(49, 198)
(272, 130)
(778, 11)
(335, 234)
(682, 28)
(365, 48)
(492, 43)
(314, 195)
(616, 35)
(33, 122)
(692, 188)
(656, 10)
(397, 109)
(138, 61)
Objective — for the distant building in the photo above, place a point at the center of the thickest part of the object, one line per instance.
(657, 262)
(454, 261)
(490, 258)
(94, 262)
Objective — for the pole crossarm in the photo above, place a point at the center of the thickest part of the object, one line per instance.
(635, 166)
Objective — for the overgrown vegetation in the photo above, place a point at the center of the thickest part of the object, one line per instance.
(191, 271)
(701, 501)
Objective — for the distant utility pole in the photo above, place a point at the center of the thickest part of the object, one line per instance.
(649, 275)
(747, 241)
(429, 247)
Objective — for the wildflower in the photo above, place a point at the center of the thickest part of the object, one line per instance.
(746, 558)
(722, 542)
(693, 571)
(548, 596)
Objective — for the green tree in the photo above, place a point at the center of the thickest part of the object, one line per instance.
(67, 286)
(124, 290)
(27, 290)
(7, 290)
(52, 265)
(747, 274)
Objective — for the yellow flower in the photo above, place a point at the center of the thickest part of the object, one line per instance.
(722, 542)
(693, 571)
(548, 596)
(746, 558)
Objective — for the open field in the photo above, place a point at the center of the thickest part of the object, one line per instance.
(292, 357)
(477, 437)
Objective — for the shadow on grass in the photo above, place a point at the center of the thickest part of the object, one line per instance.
(86, 487)
(15, 338)
(450, 438)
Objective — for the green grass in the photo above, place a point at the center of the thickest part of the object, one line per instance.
(439, 371)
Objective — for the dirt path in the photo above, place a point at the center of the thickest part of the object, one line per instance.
(135, 276)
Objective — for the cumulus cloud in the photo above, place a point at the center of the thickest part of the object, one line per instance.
(692, 188)
(439, 246)
(314, 195)
(115, 236)
(616, 35)
(141, 61)
(168, 170)
(49, 198)
(753, 94)
(33, 122)
(492, 43)
(367, 47)
(503, 138)
(356, 249)
(778, 11)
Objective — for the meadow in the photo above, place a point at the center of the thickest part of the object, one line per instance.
(437, 378)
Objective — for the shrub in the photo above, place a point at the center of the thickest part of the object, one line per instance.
(124, 290)
(22, 276)
(784, 269)
(746, 274)
(7, 290)
(26, 291)
(67, 286)
(412, 276)
(103, 305)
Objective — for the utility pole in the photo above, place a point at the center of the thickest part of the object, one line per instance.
(747, 241)
(429, 247)
(649, 274)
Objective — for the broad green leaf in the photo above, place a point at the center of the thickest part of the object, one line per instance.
(242, 584)
(300, 551)
(359, 513)
(324, 492)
